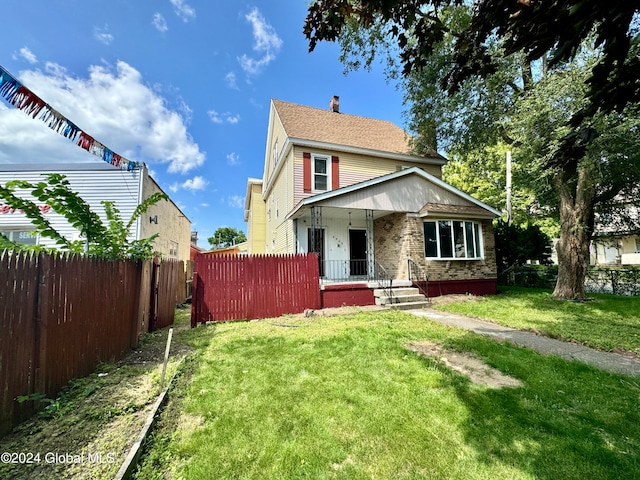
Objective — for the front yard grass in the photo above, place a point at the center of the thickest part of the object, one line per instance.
(343, 397)
(608, 322)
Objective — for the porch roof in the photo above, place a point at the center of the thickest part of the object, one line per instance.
(462, 211)
(411, 190)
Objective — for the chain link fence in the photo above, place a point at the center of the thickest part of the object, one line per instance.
(617, 280)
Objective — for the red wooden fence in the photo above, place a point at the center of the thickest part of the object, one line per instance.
(227, 287)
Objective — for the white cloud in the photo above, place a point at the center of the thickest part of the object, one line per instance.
(103, 35)
(193, 184)
(183, 10)
(230, 78)
(233, 159)
(28, 55)
(267, 44)
(114, 105)
(223, 117)
(235, 201)
(159, 22)
(204, 205)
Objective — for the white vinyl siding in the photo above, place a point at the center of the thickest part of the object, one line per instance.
(93, 185)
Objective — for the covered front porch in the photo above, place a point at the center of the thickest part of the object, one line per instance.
(344, 240)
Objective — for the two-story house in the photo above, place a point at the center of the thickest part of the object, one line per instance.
(350, 189)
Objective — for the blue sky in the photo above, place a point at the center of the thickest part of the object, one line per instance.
(182, 85)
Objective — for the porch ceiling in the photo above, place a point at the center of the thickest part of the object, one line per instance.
(338, 213)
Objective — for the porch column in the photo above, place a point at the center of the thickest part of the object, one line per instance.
(316, 223)
(370, 253)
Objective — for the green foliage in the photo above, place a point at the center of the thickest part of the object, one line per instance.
(527, 31)
(52, 408)
(516, 244)
(105, 241)
(226, 237)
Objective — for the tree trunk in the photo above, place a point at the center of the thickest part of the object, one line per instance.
(576, 228)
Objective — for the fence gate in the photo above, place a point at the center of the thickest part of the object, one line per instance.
(165, 278)
(240, 287)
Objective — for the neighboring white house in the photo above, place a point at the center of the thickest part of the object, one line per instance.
(95, 182)
(612, 244)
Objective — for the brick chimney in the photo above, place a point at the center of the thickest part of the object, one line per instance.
(334, 104)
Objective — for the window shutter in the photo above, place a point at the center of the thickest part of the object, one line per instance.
(335, 172)
(306, 172)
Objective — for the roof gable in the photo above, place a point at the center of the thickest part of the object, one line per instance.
(410, 190)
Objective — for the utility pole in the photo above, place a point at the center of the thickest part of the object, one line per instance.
(509, 208)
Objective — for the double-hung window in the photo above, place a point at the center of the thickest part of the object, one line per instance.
(452, 239)
(321, 166)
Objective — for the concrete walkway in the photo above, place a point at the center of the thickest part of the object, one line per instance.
(611, 362)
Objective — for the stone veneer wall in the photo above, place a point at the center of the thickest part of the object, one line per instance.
(399, 236)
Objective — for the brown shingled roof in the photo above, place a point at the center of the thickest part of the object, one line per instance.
(325, 126)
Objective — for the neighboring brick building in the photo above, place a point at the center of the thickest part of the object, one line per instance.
(350, 189)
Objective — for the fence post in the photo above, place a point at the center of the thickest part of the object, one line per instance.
(43, 299)
(144, 286)
(195, 298)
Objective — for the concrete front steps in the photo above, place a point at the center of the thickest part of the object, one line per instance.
(401, 298)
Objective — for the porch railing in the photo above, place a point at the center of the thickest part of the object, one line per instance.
(419, 275)
(385, 281)
(344, 270)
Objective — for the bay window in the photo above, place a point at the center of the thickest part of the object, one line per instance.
(452, 239)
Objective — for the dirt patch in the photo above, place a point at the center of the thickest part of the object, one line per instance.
(465, 363)
(456, 298)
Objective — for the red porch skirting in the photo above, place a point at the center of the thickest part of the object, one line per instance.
(485, 286)
(359, 294)
(347, 295)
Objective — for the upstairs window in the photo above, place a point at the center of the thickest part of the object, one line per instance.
(275, 154)
(320, 173)
(452, 240)
(173, 249)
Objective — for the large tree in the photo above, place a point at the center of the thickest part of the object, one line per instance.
(485, 60)
(226, 237)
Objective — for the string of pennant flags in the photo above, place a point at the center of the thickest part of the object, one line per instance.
(24, 99)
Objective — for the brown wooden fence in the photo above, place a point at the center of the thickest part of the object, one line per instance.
(167, 276)
(240, 287)
(61, 315)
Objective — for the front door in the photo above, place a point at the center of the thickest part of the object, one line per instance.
(315, 244)
(358, 252)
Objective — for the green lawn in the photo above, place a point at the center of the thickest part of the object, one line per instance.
(342, 398)
(606, 323)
